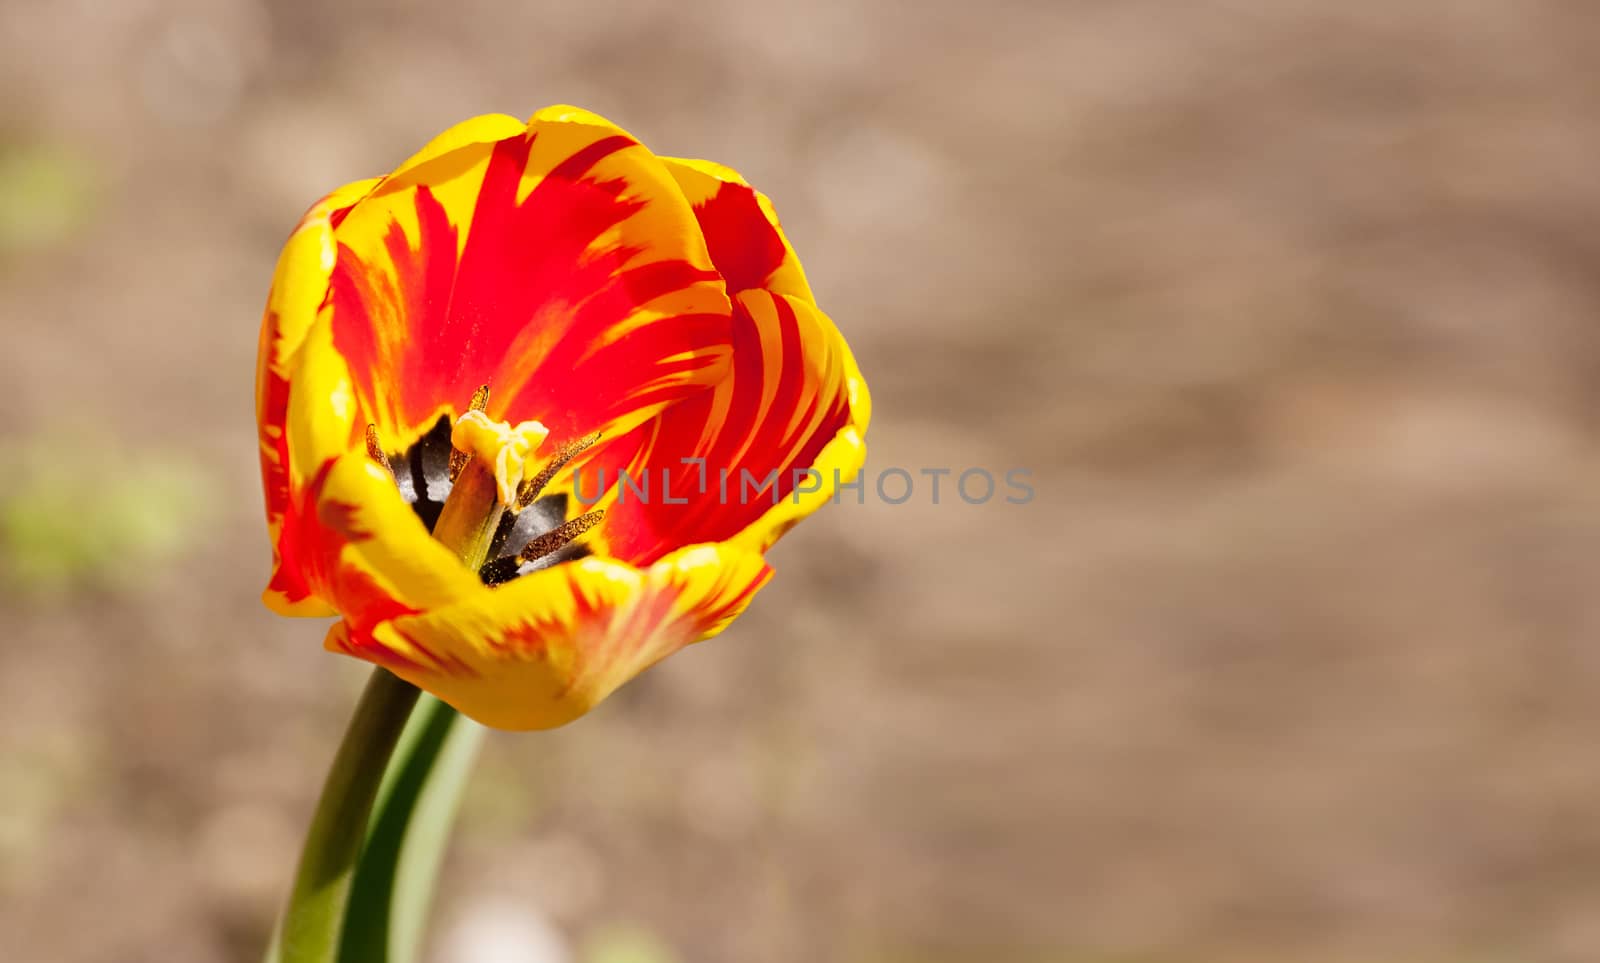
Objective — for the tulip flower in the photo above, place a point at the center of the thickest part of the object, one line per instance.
(450, 351)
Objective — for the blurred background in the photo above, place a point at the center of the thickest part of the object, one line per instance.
(1288, 306)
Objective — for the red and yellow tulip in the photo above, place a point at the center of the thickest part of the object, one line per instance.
(477, 320)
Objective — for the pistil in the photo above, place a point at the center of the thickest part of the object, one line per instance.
(471, 514)
(490, 479)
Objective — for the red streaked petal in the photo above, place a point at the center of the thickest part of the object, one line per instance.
(545, 648)
(588, 283)
(742, 232)
(795, 400)
(352, 540)
(300, 281)
(348, 537)
(483, 129)
(298, 287)
(560, 266)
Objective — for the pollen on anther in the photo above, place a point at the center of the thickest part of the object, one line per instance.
(559, 537)
(375, 449)
(532, 488)
(459, 458)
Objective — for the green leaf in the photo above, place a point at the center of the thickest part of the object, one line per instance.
(394, 881)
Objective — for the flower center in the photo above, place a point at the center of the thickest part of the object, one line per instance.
(509, 450)
(475, 485)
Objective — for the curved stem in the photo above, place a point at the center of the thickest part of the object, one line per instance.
(311, 925)
(410, 827)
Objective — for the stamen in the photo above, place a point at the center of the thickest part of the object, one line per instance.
(530, 490)
(459, 458)
(558, 538)
(375, 450)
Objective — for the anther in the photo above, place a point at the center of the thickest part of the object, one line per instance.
(530, 490)
(561, 536)
(375, 449)
(459, 458)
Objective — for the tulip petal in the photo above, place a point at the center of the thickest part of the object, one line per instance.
(349, 537)
(298, 287)
(561, 266)
(600, 291)
(746, 461)
(483, 129)
(355, 543)
(543, 649)
(746, 242)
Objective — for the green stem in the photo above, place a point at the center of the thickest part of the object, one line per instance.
(319, 905)
(311, 926)
(409, 830)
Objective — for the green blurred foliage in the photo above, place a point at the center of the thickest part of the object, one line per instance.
(625, 943)
(996, 954)
(70, 520)
(39, 778)
(47, 195)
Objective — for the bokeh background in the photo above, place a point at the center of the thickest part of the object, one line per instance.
(1289, 307)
